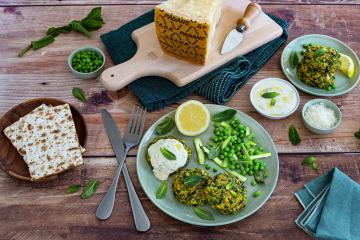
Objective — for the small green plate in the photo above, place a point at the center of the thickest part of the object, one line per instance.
(175, 209)
(343, 83)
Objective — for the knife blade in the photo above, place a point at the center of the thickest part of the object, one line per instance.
(235, 36)
(114, 136)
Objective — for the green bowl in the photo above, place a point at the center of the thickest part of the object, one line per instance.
(89, 75)
(328, 104)
(343, 84)
(175, 209)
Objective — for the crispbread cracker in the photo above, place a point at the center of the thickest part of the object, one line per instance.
(55, 161)
(47, 140)
(15, 132)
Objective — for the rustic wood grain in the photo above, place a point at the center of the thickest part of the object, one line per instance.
(44, 73)
(45, 211)
(142, 2)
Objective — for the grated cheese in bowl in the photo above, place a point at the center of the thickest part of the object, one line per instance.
(321, 116)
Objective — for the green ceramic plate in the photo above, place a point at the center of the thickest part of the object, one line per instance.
(343, 84)
(172, 207)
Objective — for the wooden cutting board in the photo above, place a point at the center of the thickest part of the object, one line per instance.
(150, 60)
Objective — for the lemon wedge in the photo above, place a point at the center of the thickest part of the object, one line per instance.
(192, 118)
(347, 65)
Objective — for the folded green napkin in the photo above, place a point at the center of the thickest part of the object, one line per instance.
(219, 86)
(331, 207)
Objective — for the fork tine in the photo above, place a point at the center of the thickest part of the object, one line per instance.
(131, 119)
(143, 122)
(140, 120)
(136, 120)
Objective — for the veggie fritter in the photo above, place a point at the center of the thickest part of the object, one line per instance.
(226, 193)
(191, 195)
(318, 66)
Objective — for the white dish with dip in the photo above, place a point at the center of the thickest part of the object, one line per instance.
(286, 102)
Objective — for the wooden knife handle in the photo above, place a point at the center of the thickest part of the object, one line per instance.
(252, 11)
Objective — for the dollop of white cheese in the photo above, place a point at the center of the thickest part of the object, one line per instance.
(163, 167)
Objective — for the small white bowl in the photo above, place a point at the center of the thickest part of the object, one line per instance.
(328, 104)
(259, 110)
(88, 75)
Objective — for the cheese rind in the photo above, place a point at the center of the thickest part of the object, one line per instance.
(186, 28)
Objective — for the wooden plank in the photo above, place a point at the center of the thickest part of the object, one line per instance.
(45, 73)
(34, 211)
(143, 2)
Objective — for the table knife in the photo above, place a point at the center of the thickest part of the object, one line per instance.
(107, 203)
(235, 36)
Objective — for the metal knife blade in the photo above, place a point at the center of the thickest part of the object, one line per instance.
(232, 40)
(235, 36)
(114, 136)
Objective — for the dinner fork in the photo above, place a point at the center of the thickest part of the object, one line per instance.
(132, 138)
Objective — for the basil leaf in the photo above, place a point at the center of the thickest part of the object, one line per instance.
(294, 136)
(76, 25)
(93, 21)
(165, 126)
(308, 161)
(90, 189)
(357, 134)
(192, 180)
(273, 102)
(270, 94)
(73, 188)
(203, 213)
(161, 191)
(314, 167)
(294, 59)
(213, 151)
(79, 94)
(167, 154)
(224, 116)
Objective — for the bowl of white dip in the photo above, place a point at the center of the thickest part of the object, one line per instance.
(274, 98)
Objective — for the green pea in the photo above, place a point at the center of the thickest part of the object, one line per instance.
(257, 194)
(253, 183)
(215, 170)
(261, 168)
(207, 166)
(251, 172)
(232, 167)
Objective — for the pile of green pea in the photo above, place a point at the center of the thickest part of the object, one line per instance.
(87, 61)
(236, 154)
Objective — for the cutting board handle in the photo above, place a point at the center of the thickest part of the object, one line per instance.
(121, 75)
(252, 11)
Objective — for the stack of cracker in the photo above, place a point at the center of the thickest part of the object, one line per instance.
(46, 139)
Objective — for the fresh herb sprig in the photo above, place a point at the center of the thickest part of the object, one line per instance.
(93, 21)
(165, 126)
(79, 94)
(192, 180)
(294, 136)
(203, 214)
(167, 154)
(162, 190)
(90, 189)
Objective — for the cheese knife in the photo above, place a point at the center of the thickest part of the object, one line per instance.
(235, 36)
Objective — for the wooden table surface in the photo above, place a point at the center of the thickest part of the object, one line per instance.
(44, 211)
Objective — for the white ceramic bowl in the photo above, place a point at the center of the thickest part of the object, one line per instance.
(265, 114)
(328, 104)
(88, 75)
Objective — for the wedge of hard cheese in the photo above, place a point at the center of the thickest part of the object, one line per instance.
(186, 28)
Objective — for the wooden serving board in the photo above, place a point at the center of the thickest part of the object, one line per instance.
(150, 60)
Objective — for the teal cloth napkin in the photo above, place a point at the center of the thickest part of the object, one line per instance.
(331, 207)
(219, 86)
